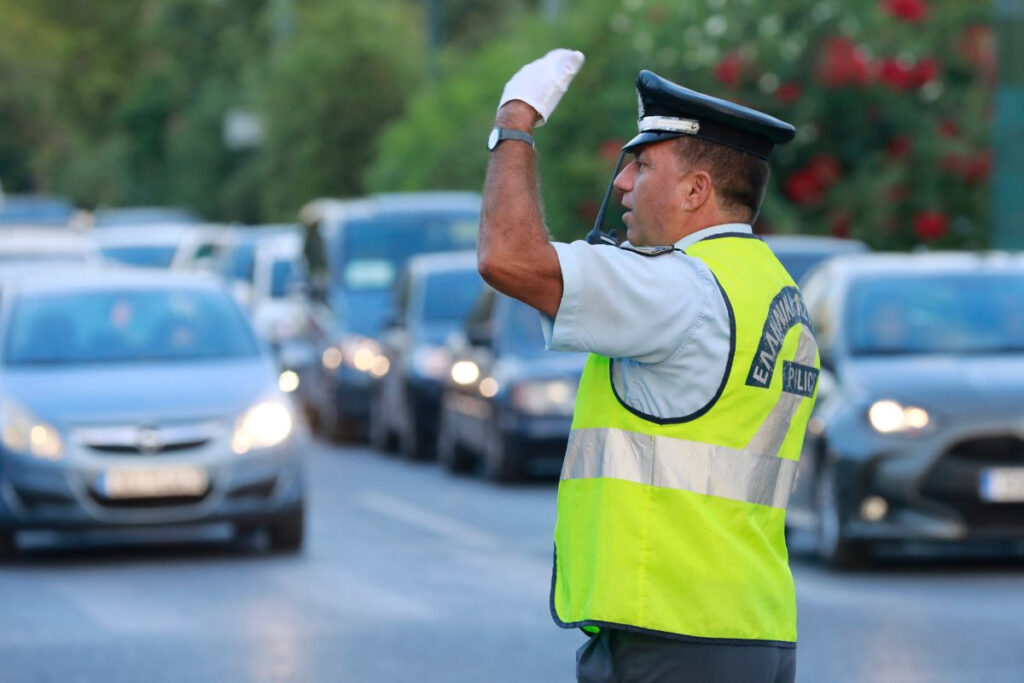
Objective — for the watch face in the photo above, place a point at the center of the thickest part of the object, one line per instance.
(492, 141)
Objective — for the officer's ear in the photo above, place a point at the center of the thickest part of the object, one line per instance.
(697, 189)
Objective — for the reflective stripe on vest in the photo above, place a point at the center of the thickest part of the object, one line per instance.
(678, 464)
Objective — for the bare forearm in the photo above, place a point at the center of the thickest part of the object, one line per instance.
(514, 249)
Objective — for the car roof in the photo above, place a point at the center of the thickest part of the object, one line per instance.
(814, 243)
(335, 210)
(84, 279)
(923, 263)
(156, 233)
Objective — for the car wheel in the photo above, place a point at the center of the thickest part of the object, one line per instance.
(832, 544)
(452, 455)
(412, 440)
(8, 545)
(286, 533)
(381, 437)
(503, 457)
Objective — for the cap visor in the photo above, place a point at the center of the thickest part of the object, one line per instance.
(647, 137)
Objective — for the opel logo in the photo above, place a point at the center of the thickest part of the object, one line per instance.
(149, 441)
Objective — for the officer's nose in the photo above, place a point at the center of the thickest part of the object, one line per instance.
(624, 181)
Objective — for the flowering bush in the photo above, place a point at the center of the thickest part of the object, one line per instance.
(892, 101)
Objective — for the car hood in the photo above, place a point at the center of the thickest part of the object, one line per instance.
(143, 392)
(985, 384)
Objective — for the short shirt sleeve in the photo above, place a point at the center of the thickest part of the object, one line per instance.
(623, 304)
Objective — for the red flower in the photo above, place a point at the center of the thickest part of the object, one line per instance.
(931, 225)
(825, 169)
(841, 224)
(803, 188)
(610, 149)
(924, 71)
(730, 70)
(978, 167)
(899, 147)
(789, 92)
(896, 74)
(807, 185)
(948, 129)
(908, 10)
(844, 63)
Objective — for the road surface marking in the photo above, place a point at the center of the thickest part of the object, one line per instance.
(414, 515)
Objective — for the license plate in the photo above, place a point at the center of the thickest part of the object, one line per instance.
(1003, 485)
(153, 482)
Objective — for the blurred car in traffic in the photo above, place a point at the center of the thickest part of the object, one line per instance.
(508, 403)
(162, 245)
(133, 216)
(918, 432)
(37, 210)
(799, 254)
(133, 398)
(432, 298)
(29, 244)
(355, 250)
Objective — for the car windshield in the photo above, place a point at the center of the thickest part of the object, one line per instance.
(282, 274)
(130, 325)
(520, 332)
(35, 211)
(373, 250)
(449, 295)
(948, 313)
(243, 258)
(797, 263)
(153, 256)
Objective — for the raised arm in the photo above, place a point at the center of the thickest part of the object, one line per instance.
(514, 251)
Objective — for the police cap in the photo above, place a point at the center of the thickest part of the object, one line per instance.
(668, 110)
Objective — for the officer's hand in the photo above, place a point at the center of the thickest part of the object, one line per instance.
(542, 83)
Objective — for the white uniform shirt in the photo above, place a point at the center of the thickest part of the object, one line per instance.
(663, 319)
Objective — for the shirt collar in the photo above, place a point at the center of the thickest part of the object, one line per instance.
(695, 237)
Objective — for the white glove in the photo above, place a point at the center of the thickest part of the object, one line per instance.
(542, 82)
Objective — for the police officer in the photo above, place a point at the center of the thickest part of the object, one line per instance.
(669, 546)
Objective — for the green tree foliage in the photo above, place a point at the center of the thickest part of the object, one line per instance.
(891, 99)
(343, 75)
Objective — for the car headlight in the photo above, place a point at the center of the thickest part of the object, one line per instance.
(23, 432)
(264, 425)
(556, 397)
(430, 361)
(465, 372)
(890, 417)
(359, 352)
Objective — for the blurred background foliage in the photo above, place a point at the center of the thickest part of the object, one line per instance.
(124, 101)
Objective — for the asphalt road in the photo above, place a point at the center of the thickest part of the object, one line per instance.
(412, 575)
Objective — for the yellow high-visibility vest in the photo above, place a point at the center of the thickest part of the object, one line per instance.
(676, 526)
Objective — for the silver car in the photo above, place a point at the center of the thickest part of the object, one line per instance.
(134, 398)
(918, 432)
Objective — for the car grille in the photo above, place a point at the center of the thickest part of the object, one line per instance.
(146, 440)
(955, 480)
(137, 503)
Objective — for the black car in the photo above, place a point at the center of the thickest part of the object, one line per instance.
(508, 403)
(918, 431)
(432, 298)
(355, 250)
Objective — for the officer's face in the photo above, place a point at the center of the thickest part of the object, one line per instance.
(651, 187)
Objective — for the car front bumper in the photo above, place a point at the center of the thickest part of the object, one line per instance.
(66, 494)
(934, 486)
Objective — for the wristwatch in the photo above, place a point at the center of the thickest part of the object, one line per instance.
(498, 134)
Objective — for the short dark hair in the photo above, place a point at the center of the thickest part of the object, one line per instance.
(739, 178)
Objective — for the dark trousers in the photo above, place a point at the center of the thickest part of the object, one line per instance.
(616, 656)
